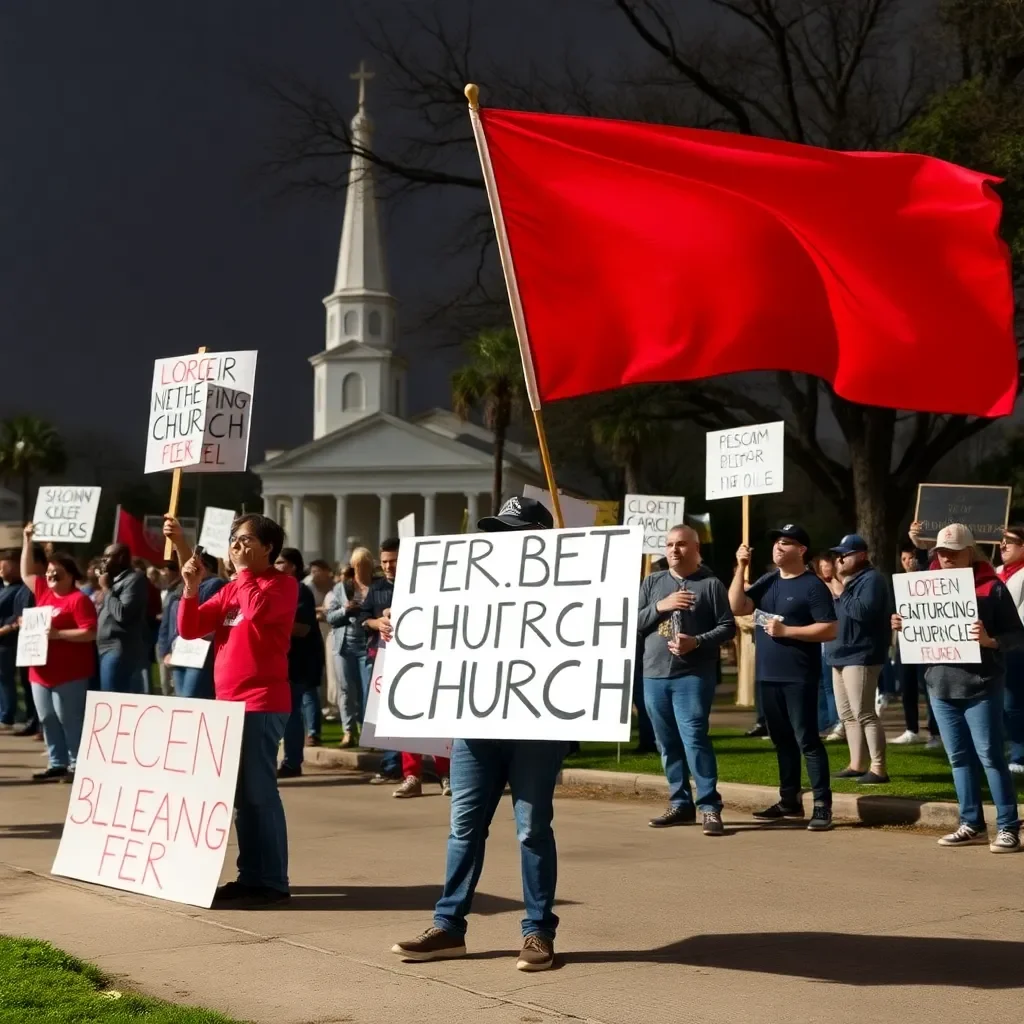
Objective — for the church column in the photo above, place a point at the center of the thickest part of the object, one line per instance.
(298, 510)
(270, 506)
(340, 527)
(473, 512)
(385, 525)
(429, 515)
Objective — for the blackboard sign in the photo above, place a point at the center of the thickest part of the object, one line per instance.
(984, 509)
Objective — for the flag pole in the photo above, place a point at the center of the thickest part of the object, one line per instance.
(518, 317)
(172, 504)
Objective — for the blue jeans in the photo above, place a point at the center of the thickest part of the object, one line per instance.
(1013, 706)
(192, 682)
(259, 814)
(828, 714)
(118, 674)
(61, 711)
(8, 686)
(302, 722)
(348, 668)
(972, 732)
(679, 710)
(480, 769)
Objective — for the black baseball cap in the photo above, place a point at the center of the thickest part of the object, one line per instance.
(792, 532)
(518, 514)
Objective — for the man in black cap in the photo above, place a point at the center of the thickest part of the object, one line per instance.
(480, 769)
(794, 613)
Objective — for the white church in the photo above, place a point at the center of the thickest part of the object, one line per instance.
(369, 464)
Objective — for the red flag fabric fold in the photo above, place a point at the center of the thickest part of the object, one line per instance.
(646, 253)
(141, 543)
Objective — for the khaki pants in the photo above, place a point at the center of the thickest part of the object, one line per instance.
(854, 687)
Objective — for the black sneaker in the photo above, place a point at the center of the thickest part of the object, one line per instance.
(433, 944)
(51, 775)
(674, 816)
(849, 773)
(713, 823)
(821, 819)
(268, 895)
(235, 891)
(873, 779)
(779, 811)
(760, 729)
(286, 771)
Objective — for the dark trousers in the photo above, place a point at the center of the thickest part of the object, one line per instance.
(791, 713)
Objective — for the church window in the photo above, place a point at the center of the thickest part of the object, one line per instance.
(352, 393)
(351, 322)
(373, 324)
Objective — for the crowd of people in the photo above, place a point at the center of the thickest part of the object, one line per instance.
(289, 640)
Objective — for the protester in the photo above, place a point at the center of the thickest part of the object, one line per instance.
(320, 580)
(1011, 549)
(154, 608)
(480, 771)
(59, 687)
(251, 618)
(968, 699)
(350, 642)
(123, 636)
(305, 669)
(799, 616)
(15, 597)
(684, 618)
(170, 585)
(830, 725)
(375, 618)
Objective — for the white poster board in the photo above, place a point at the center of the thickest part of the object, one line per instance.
(368, 735)
(150, 811)
(189, 653)
(177, 413)
(225, 447)
(519, 635)
(745, 460)
(655, 514)
(216, 533)
(407, 526)
(65, 514)
(575, 511)
(34, 637)
(938, 608)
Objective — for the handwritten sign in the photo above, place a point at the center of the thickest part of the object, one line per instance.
(368, 735)
(216, 533)
(745, 460)
(66, 514)
(225, 447)
(407, 528)
(150, 811)
(34, 637)
(575, 511)
(655, 514)
(189, 653)
(177, 412)
(984, 509)
(521, 635)
(938, 609)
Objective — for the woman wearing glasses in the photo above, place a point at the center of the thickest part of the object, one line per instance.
(1011, 572)
(59, 687)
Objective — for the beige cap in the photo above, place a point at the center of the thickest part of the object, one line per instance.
(955, 537)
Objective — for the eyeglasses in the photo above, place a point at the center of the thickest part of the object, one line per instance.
(245, 539)
(1011, 542)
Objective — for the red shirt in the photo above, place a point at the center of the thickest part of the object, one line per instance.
(66, 660)
(251, 619)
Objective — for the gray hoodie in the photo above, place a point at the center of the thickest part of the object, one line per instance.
(709, 619)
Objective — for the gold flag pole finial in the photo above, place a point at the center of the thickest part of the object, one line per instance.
(473, 96)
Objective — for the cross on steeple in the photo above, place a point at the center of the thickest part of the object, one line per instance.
(362, 76)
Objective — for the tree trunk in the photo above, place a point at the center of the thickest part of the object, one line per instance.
(632, 476)
(27, 510)
(878, 519)
(499, 466)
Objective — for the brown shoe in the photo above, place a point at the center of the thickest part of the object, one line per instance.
(346, 741)
(410, 787)
(433, 944)
(538, 954)
(312, 741)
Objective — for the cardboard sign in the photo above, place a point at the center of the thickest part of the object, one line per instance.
(216, 534)
(655, 514)
(986, 510)
(745, 460)
(407, 526)
(938, 608)
(65, 514)
(189, 653)
(150, 811)
(520, 635)
(177, 412)
(34, 637)
(368, 735)
(225, 447)
(575, 511)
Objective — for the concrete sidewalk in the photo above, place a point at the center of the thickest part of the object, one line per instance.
(765, 924)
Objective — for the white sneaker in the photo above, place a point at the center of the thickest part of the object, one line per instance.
(906, 737)
(965, 836)
(1016, 769)
(934, 743)
(837, 735)
(1005, 842)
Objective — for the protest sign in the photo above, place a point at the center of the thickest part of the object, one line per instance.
(232, 378)
(938, 609)
(150, 811)
(216, 533)
(520, 635)
(655, 514)
(985, 510)
(407, 526)
(189, 653)
(177, 412)
(368, 734)
(745, 460)
(33, 637)
(575, 511)
(65, 514)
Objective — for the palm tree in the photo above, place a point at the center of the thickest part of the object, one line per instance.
(627, 432)
(492, 382)
(29, 445)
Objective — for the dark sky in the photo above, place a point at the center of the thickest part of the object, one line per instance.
(132, 226)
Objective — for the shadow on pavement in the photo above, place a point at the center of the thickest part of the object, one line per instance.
(842, 959)
(390, 897)
(322, 781)
(51, 830)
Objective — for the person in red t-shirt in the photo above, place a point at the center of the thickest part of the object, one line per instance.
(59, 687)
(251, 619)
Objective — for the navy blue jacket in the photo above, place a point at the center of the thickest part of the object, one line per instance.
(864, 610)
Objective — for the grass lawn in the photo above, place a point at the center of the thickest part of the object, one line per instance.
(43, 985)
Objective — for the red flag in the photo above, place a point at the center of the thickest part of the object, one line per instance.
(129, 530)
(645, 253)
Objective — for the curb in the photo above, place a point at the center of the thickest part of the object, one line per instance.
(868, 809)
